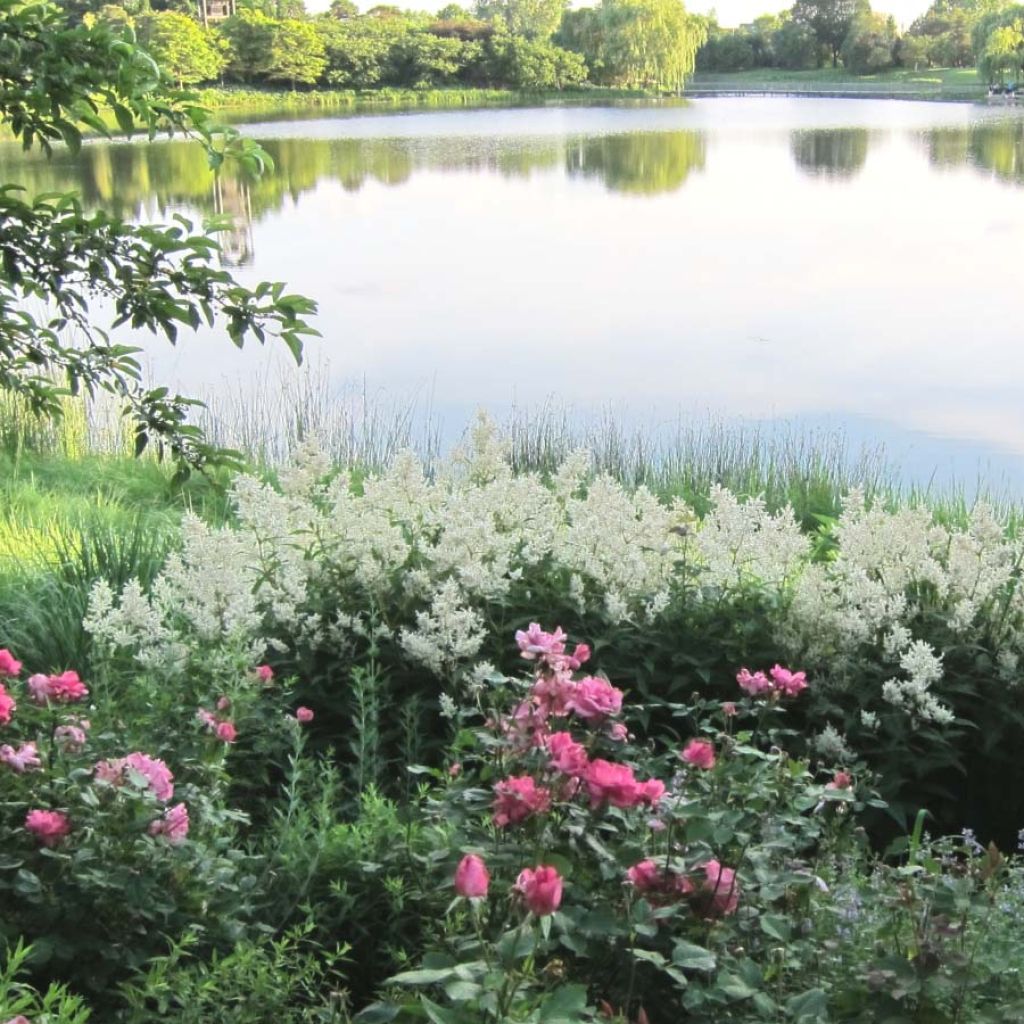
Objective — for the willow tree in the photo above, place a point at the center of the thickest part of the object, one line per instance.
(637, 43)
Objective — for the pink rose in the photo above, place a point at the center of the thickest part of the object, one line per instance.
(541, 888)
(567, 756)
(472, 877)
(22, 759)
(699, 753)
(612, 783)
(534, 643)
(553, 693)
(173, 826)
(720, 893)
(790, 683)
(224, 704)
(18, 1020)
(226, 732)
(62, 689)
(517, 798)
(595, 699)
(755, 684)
(9, 665)
(658, 884)
(616, 732)
(264, 673)
(652, 791)
(841, 780)
(7, 705)
(580, 655)
(49, 827)
(71, 738)
(729, 709)
(156, 773)
(303, 715)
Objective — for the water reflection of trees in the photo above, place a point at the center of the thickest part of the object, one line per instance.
(639, 162)
(134, 181)
(996, 148)
(830, 152)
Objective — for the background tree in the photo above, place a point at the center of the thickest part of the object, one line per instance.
(870, 44)
(297, 53)
(55, 259)
(249, 36)
(998, 40)
(829, 20)
(184, 49)
(533, 19)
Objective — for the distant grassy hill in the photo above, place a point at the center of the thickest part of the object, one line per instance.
(932, 84)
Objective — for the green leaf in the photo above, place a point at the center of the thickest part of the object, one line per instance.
(808, 1006)
(565, 1005)
(691, 957)
(776, 927)
(423, 976)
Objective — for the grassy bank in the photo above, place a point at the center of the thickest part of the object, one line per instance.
(250, 101)
(956, 84)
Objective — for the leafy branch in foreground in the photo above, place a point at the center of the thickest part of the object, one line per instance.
(53, 79)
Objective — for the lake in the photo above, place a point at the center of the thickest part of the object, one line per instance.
(824, 264)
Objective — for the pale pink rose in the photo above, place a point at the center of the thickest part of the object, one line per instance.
(595, 699)
(699, 753)
(173, 826)
(207, 718)
(264, 673)
(616, 732)
(720, 893)
(528, 726)
(304, 715)
(454, 770)
(534, 643)
(729, 709)
(224, 704)
(517, 798)
(567, 756)
(39, 688)
(612, 783)
(755, 684)
(156, 773)
(22, 759)
(226, 732)
(18, 1020)
(49, 827)
(7, 706)
(790, 683)
(472, 877)
(541, 888)
(70, 738)
(9, 665)
(841, 780)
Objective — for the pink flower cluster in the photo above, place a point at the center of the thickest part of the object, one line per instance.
(717, 895)
(616, 785)
(223, 728)
(548, 650)
(173, 825)
(49, 827)
(62, 689)
(778, 682)
(21, 760)
(9, 665)
(540, 888)
(158, 777)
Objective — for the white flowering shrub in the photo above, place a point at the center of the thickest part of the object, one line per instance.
(907, 622)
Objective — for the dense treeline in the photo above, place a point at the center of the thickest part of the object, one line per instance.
(521, 44)
(813, 33)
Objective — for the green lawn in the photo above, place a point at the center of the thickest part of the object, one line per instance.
(932, 83)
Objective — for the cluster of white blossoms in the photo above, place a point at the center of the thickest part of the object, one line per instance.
(420, 560)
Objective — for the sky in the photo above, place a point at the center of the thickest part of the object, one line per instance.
(730, 12)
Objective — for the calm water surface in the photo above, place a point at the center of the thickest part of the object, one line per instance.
(850, 263)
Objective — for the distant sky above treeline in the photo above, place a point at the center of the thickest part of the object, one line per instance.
(730, 12)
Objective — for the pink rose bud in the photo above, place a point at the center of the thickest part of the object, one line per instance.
(541, 888)
(455, 770)
(842, 780)
(729, 709)
(472, 877)
(264, 673)
(224, 703)
(699, 753)
(304, 715)
(227, 732)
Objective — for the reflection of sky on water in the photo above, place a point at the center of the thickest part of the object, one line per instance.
(817, 260)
